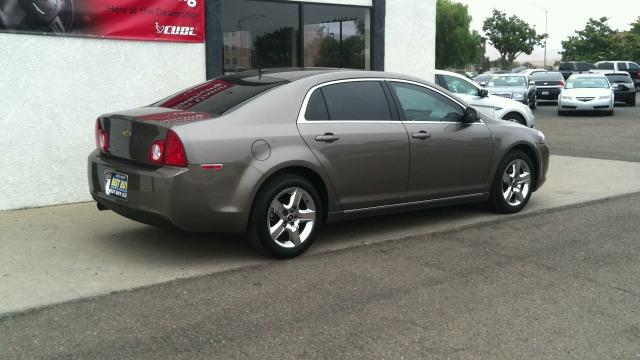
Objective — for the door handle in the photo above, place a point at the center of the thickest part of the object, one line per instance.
(422, 135)
(327, 137)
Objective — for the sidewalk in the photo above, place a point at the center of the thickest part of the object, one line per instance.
(62, 253)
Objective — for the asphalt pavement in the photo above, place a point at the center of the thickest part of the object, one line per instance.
(561, 285)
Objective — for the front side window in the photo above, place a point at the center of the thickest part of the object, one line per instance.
(421, 104)
(605, 66)
(634, 66)
(356, 100)
(460, 86)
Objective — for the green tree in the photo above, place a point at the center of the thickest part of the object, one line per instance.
(456, 45)
(632, 41)
(511, 36)
(596, 42)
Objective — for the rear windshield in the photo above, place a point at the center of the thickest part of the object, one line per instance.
(220, 95)
(547, 76)
(587, 83)
(619, 78)
(506, 80)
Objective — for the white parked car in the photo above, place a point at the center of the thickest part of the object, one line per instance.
(493, 106)
(586, 92)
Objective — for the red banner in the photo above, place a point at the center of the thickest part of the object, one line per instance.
(163, 20)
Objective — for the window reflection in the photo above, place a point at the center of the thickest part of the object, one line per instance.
(336, 36)
(259, 34)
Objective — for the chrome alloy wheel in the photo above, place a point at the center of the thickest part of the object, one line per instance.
(291, 217)
(516, 182)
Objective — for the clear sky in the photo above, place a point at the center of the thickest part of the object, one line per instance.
(565, 16)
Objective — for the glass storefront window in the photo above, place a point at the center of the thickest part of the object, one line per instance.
(258, 34)
(266, 34)
(337, 36)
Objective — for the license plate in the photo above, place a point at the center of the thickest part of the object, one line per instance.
(117, 184)
(545, 93)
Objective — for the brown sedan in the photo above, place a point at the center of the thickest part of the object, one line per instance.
(276, 154)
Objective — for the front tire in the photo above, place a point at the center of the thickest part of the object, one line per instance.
(515, 118)
(513, 183)
(285, 217)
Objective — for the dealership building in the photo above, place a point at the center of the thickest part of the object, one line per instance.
(52, 88)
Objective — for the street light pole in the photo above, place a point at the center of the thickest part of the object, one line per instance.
(546, 23)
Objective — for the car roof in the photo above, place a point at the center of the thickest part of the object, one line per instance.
(295, 74)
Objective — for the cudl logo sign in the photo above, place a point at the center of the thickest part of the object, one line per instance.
(175, 30)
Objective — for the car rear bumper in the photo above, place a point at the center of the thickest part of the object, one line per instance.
(190, 198)
(625, 95)
(593, 105)
(547, 93)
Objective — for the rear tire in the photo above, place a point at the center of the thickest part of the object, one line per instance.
(534, 105)
(610, 113)
(513, 183)
(285, 217)
(632, 102)
(561, 113)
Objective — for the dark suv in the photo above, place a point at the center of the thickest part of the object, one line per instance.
(575, 67)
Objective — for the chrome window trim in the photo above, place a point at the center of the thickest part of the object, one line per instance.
(305, 102)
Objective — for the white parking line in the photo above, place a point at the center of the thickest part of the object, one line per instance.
(62, 253)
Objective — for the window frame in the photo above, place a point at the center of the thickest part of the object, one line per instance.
(393, 104)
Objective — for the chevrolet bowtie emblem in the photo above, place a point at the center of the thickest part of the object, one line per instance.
(126, 133)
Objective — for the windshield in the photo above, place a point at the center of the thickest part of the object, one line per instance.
(506, 80)
(587, 83)
(619, 78)
(547, 76)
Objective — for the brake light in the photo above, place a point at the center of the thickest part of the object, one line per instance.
(102, 138)
(561, 83)
(169, 151)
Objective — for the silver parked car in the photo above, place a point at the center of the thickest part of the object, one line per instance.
(275, 154)
(586, 92)
(518, 87)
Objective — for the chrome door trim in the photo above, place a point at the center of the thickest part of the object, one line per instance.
(421, 202)
(305, 102)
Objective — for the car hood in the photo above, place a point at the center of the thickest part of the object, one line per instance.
(586, 92)
(502, 102)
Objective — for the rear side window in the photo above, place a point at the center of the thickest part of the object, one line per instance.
(605, 66)
(220, 95)
(357, 100)
(622, 66)
(316, 107)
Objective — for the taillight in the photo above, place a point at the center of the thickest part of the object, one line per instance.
(102, 138)
(169, 151)
(562, 83)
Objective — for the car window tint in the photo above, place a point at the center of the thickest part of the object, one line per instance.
(357, 100)
(619, 78)
(220, 95)
(634, 66)
(547, 76)
(605, 66)
(421, 104)
(460, 86)
(565, 67)
(583, 66)
(316, 107)
(622, 66)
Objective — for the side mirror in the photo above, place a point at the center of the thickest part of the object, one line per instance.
(470, 116)
(483, 84)
(483, 93)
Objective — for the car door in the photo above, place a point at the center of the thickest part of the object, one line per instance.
(448, 158)
(362, 145)
(469, 92)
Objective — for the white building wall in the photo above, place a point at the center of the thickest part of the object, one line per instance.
(410, 37)
(51, 91)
